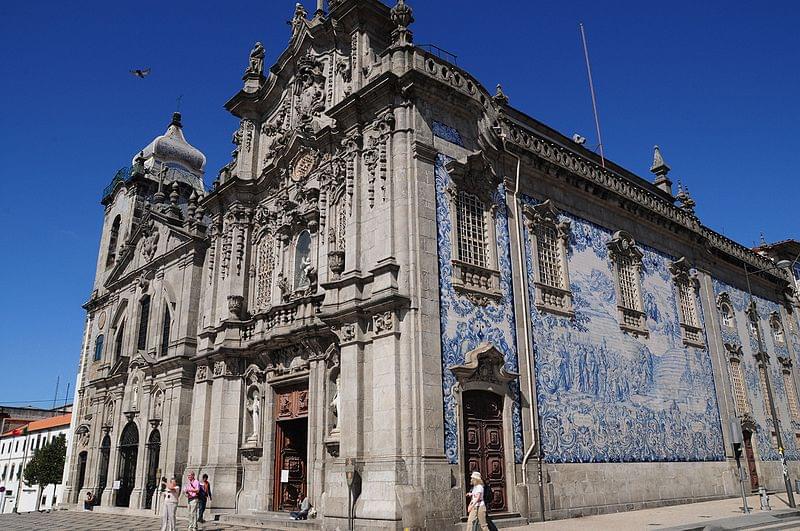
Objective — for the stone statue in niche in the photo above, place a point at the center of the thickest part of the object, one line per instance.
(158, 405)
(336, 404)
(283, 286)
(254, 408)
(310, 276)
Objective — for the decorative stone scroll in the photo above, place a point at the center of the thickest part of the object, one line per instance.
(377, 152)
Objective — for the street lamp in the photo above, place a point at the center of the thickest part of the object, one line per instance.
(763, 360)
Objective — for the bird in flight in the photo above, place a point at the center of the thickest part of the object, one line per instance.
(141, 73)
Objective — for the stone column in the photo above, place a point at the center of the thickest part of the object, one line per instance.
(224, 437)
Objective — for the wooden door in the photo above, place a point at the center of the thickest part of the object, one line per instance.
(129, 454)
(483, 444)
(751, 459)
(291, 447)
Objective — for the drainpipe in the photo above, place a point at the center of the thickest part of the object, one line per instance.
(535, 424)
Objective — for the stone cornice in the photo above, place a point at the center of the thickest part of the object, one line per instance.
(661, 210)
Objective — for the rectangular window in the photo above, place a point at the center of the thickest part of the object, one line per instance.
(98, 347)
(628, 284)
(471, 230)
(549, 253)
(165, 329)
(739, 391)
(688, 304)
(791, 396)
(118, 342)
(144, 318)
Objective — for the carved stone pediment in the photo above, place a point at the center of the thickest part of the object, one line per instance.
(681, 271)
(474, 174)
(623, 245)
(484, 364)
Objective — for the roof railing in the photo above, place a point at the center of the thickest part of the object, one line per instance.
(440, 53)
(122, 175)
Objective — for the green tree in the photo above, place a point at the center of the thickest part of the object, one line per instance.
(47, 466)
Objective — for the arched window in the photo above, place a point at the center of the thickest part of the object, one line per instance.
(98, 347)
(302, 260)
(165, 330)
(627, 259)
(111, 254)
(549, 235)
(144, 318)
(118, 341)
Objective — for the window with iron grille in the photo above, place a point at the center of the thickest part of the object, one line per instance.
(266, 267)
(727, 315)
(791, 395)
(471, 230)
(688, 304)
(777, 330)
(628, 275)
(550, 259)
(739, 390)
(762, 380)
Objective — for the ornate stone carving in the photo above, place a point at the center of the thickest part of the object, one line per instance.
(202, 373)
(219, 368)
(383, 323)
(303, 165)
(336, 263)
(311, 92)
(376, 154)
(236, 307)
(82, 436)
(625, 254)
(150, 236)
(484, 364)
(253, 407)
(402, 18)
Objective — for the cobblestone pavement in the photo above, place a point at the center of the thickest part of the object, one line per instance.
(85, 521)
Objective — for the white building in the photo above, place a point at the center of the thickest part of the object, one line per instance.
(16, 451)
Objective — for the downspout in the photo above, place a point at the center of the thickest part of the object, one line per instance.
(535, 424)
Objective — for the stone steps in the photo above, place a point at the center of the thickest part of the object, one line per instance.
(268, 520)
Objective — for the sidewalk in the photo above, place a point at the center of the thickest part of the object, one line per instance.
(720, 514)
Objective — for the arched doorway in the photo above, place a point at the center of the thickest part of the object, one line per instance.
(128, 454)
(483, 444)
(81, 471)
(153, 451)
(102, 477)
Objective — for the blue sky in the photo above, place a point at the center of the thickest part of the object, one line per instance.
(714, 83)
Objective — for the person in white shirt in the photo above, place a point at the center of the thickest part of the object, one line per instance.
(477, 508)
(170, 505)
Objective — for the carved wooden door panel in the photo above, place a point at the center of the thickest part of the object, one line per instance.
(751, 460)
(483, 443)
(291, 447)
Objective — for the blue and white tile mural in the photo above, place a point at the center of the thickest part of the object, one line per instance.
(464, 325)
(755, 394)
(607, 396)
(445, 132)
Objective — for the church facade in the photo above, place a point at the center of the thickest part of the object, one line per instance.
(400, 278)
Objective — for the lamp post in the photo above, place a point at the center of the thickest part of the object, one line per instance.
(763, 360)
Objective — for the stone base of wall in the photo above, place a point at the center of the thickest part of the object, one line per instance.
(573, 490)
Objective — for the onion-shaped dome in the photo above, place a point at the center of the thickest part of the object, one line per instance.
(172, 149)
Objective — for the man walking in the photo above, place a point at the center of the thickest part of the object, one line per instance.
(192, 491)
(205, 497)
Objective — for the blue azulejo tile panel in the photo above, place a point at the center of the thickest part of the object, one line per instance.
(744, 336)
(445, 132)
(464, 325)
(607, 396)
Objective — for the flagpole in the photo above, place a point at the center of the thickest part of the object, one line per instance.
(21, 471)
